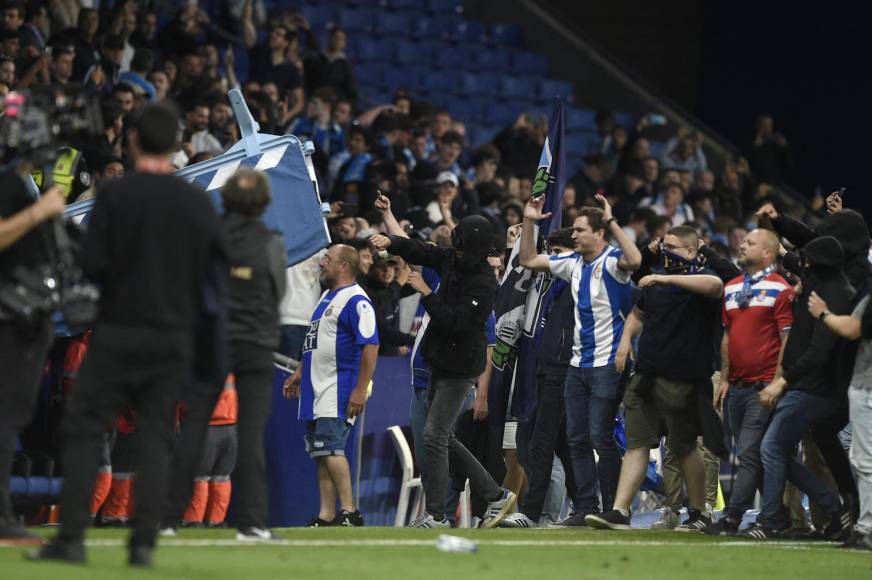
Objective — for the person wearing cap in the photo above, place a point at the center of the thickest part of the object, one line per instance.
(454, 346)
(447, 189)
(385, 285)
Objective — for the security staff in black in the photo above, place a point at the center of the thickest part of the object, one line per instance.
(455, 348)
(23, 344)
(152, 243)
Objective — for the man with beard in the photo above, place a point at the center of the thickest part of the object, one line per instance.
(339, 357)
(455, 347)
(197, 131)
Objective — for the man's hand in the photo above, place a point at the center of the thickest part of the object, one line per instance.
(380, 242)
(512, 235)
(403, 351)
(721, 394)
(653, 280)
(816, 305)
(382, 203)
(606, 207)
(50, 204)
(772, 393)
(834, 202)
(768, 211)
(479, 408)
(291, 388)
(533, 209)
(356, 403)
(417, 282)
(654, 246)
(624, 352)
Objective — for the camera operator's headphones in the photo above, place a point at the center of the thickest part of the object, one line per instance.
(70, 173)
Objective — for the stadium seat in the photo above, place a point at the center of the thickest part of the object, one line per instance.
(403, 4)
(549, 88)
(444, 6)
(393, 23)
(514, 87)
(409, 481)
(370, 73)
(447, 81)
(505, 34)
(657, 148)
(451, 57)
(355, 20)
(625, 119)
(408, 52)
(468, 31)
(431, 27)
(581, 144)
(524, 62)
(372, 50)
(403, 77)
(501, 114)
(319, 16)
(577, 118)
(491, 60)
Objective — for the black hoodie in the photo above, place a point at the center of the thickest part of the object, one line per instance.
(455, 344)
(810, 362)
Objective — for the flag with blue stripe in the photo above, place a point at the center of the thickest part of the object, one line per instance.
(295, 210)
(524, 296)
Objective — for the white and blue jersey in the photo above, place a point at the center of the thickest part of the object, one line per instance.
(343, 322)
(420, 370)
(603, 297)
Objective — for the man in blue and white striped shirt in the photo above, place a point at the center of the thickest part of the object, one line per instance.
(599, 277)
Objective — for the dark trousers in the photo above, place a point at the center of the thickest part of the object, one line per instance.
(199, 399)
(140, 367)
(748, 420)
(826, 437)
(252, 365)
(547, 437)
(22, 355)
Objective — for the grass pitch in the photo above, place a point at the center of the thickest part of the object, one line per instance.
(400, 554)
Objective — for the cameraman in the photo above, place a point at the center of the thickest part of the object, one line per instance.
(23, 345)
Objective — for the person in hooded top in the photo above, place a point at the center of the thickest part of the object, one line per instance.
(455, 349)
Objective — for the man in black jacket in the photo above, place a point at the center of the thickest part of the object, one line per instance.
(455, 349)
(152, 243)
(805, 393)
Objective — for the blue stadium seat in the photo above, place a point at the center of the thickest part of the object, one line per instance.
(441, 100)
(581, 144)
(444, 6)
(430, 27)
(491, 60)
(319, 16)
(404, 77)
(370, 73)
(500, 114)
(657, 148)
(524, 62)
(393, 23)
(505, 34)
(518, 87)
(356, 20)
(469, 31)
(577, 118)
(404, 4)
(466, 109)
(625, 119)
(451, 57)
(408, 52)
(367, 49)
(549, 88)
(447, 81)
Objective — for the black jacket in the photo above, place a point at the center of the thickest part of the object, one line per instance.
(455, 343)
(257, 280)
(558, 336)
(386, 300)
(810, 357)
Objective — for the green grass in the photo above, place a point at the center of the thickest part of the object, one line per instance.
(505, 554)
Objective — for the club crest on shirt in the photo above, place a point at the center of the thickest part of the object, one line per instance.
(598, 271)
(329, 311)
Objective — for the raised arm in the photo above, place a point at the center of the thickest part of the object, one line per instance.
(529, 258)
(845, 325)
(705, 284)
(383, 205)
(412, 251)
(632, 257)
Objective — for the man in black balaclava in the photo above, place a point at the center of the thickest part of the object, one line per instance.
(454, 346)
(805, 394)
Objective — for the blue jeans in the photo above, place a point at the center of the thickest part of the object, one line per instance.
(592, 396)
(747, 418)
(794, 415)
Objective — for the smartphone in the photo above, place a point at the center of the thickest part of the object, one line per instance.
(841, 193)
(656, 119)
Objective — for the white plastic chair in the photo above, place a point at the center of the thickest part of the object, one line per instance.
(410, 482)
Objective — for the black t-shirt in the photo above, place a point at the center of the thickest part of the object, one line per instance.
(30, 249)
(676, 341)
(285, 75)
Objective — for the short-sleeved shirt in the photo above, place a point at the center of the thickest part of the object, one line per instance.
(757, 309)
(862, 376)
(420, 369)
(603, 297)
(679, 332)
(342, 324)
(30, 249)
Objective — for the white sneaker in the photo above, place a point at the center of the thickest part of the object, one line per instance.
(517, 520)
(255, 535)
(426, 521)
(168, 532)
(668, 520)
(499, 509)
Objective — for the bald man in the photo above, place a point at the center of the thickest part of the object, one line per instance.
(758, 313)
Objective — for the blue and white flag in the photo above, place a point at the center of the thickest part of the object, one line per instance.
(295, 210)
(524, 296)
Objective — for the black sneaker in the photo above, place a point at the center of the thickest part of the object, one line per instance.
(14, 534)
(348, 519)
(575, 521)
(141, 556)
(59, 551)
(319, 523)
(611, 520)
(217, 525)
(854, 541)
(255, 535)
(807, 534)
(726, 526)
(839, 528)
(695, 522)
(193, 525)
(759, 532)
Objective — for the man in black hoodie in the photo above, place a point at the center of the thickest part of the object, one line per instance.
(805, 394)
(455, 348)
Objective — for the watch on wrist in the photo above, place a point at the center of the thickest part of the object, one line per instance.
(610, 220)
(823, 315)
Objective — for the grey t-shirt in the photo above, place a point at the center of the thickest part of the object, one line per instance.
(862, 377)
